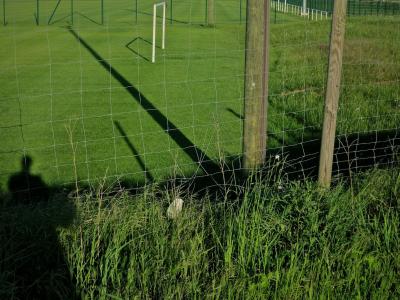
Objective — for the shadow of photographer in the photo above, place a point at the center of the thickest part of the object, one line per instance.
(25, 187)
(32, 260)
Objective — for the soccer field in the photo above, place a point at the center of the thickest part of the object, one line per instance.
(84, 101)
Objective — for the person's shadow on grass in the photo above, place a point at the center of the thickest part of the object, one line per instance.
(33, 264)
(25, 187)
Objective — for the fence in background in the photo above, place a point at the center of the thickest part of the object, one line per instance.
(355, 7)
(43, 11)
(309, 13)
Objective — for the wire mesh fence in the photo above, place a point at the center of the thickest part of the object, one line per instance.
(81, 101)
(354, 7)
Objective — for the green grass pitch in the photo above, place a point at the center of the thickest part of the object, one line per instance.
(87, 95)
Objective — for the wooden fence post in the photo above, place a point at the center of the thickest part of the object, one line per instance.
(240, 11)
(332, 92)
(256, 84)
(210, 13)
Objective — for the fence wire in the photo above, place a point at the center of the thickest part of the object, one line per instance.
(81, 101)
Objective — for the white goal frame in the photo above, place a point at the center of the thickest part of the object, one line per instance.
(156, 5)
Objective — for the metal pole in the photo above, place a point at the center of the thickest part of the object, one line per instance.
(153, 56)
(170, 11)
(136, 11)
(102, 12)
(72, 12)
(54, 11)
(37, 12)
(163, 25)
(4, 13)
(206, 14)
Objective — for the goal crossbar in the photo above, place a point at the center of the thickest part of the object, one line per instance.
(156, 5)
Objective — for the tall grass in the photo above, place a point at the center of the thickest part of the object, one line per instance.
(290, 244)
(295, 241)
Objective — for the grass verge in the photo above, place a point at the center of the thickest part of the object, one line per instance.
(292, 241)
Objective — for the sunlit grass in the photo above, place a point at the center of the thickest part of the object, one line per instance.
(50, 81)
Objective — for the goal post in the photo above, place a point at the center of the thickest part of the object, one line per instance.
(156, 5)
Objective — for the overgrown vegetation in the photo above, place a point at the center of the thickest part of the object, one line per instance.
(294, 241)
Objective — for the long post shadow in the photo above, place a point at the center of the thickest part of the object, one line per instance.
(195, 153)
(128, 46)
(142, 39)
(88, 18)
(353, 152)
(236, 114)
(158, 17)
(134, 151)
(36, 267)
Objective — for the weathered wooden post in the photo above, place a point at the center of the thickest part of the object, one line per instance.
(256, 84)
(210, 13)
(332, 92)
(240, 11)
